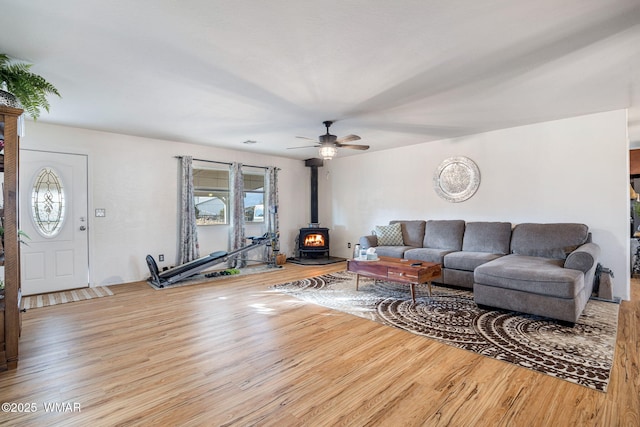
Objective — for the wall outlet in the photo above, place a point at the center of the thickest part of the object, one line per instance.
(349, 245)
(160, 258)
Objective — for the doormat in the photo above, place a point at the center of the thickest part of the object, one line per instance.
(202, 277)
(316, 261)
(63, 297)
(582, 354)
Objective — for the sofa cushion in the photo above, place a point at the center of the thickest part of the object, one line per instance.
(392, 251)
(427, 254)
(368, 241)
(553, 253)
(412, 232)
(389, 235)
(542, 276)
(493, 237)
(548, 240)
(468, 261)
(444, 234)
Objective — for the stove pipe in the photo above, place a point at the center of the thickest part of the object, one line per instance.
(314, 164)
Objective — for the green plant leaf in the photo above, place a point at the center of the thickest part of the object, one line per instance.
(29, 88)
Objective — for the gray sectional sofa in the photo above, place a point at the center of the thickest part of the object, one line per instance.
(540, 269)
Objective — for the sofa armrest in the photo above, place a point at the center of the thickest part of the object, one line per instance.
(368, 241)
(584, 258)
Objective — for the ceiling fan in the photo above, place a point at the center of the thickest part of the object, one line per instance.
(329, 144)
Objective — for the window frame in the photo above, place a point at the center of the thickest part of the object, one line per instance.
(223, 195)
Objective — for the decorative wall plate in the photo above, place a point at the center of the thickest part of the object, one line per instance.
(456, 179)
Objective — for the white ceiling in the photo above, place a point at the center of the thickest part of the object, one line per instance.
(394, 72)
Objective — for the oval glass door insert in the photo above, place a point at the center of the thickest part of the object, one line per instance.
(48, 203)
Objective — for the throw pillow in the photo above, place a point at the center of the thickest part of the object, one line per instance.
(389, 235)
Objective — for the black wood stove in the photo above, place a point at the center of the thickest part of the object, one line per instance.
(313, 241)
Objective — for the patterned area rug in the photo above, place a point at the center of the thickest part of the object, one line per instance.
(582, 355)
(45, 300)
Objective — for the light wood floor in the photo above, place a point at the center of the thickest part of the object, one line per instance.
(234, 353)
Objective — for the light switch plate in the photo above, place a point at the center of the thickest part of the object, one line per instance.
(101, 213)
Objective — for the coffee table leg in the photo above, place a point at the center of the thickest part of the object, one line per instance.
(429, 283)
(413, 292)
(357, 281)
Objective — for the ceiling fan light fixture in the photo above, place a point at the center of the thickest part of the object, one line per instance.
(328, 144)
(327, 152)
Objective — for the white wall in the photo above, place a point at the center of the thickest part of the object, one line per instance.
(136, 181)
(572, 170)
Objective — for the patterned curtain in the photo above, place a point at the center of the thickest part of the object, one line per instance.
(271, 212)
(236, 205)
(188, 249)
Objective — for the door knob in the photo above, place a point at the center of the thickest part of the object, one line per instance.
(82, 228)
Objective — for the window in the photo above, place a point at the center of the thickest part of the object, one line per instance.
(253, 196)
(48, 203)
(211, 193)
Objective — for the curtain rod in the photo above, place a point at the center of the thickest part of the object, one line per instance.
(226, 163)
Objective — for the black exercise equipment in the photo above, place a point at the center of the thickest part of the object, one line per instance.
(191, 268)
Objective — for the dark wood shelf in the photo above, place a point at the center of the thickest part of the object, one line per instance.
(10, 320)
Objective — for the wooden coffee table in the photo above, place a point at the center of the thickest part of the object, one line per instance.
(397, 270)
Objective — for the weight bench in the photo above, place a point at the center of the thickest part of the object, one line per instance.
(191, 268)
(183, 271)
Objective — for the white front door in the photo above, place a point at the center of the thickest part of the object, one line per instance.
(53, 214)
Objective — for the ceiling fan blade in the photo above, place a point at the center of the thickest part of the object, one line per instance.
(353, 146)
(310, 139)
(328, 140)
(348, 138)
(306, 146)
